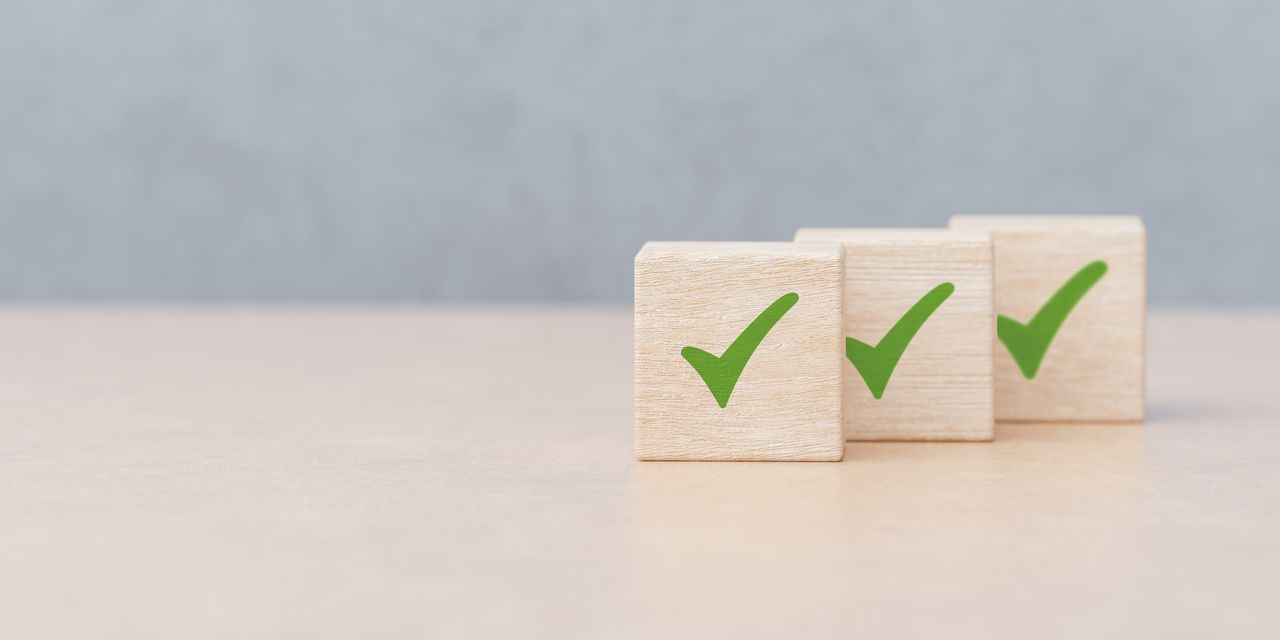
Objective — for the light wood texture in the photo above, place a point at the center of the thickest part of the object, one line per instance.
(1095, 366)
(469, 473)
(942, 387)
(786, 404)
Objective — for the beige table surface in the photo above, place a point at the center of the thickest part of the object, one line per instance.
(463, 473)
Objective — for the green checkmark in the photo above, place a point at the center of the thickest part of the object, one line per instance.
(721, 373)
(876, 364)
(1028, 343)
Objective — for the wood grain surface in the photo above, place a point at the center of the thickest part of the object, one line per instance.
(942, 388)
(1096, 365)
(786, 405)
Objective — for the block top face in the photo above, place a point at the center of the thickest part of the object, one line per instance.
(852, 236)
(1047, 223)
(738, 249)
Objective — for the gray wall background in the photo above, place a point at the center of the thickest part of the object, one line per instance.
(476, 150)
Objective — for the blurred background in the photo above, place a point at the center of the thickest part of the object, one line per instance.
(470, 150)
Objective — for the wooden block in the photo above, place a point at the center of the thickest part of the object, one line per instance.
(1094, 368)
(696, 295)
(942, 387)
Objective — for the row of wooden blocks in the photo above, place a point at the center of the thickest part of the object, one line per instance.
(785, 350)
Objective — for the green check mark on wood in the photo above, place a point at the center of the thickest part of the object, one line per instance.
(721, 373)
(1028, 343)
(876, 364)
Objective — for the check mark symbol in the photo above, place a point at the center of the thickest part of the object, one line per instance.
(721, 373)
(1029, 342)
(876, 364)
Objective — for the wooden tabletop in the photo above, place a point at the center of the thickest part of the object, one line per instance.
(462, 473)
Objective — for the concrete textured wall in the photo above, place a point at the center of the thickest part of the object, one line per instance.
(401, 150)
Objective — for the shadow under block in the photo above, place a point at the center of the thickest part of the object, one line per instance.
(786, 403)
(1095, 366)
(942, 387)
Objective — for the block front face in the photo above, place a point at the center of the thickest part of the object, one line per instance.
(942, 386)
(785, 404)
(1094, 367)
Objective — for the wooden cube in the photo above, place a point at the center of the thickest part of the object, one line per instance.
(941, 387)
(1071, 303)
(769, 311)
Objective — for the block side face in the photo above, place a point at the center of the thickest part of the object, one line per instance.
(786, 402)
(1095, 366)
(942, 387)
